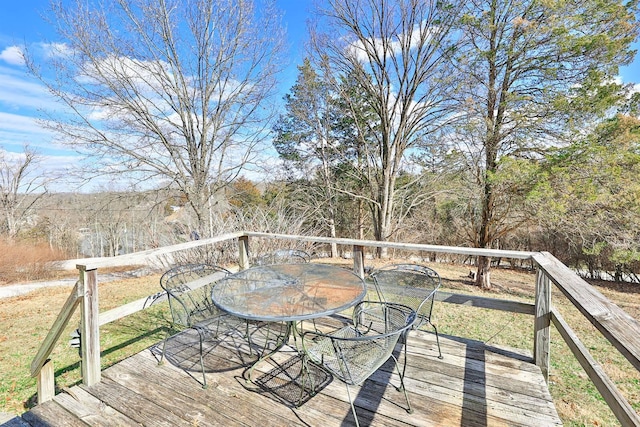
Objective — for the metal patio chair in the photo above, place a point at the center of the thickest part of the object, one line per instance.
(188, 290)
(283, 256)
(413, 285)
(353, 353)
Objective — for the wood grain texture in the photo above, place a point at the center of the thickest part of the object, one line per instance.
(475, 384)
(56, 330)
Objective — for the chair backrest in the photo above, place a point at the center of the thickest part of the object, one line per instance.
(413, 285)
(284, 256)
(188, 289)
(353, 354)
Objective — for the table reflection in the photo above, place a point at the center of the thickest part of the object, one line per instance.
(288, 292)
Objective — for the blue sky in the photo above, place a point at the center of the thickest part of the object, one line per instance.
(21, 23)
(21, 96)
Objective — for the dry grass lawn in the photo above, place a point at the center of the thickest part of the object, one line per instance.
(25, 261)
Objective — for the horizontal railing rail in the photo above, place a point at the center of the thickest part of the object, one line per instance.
(488, 303)
(615, 325)
(143, 257)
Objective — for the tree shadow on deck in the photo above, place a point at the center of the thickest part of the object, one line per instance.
(474, 406)
(225, 353)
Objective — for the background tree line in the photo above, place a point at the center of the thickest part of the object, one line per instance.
(493, 124)
(469, 108)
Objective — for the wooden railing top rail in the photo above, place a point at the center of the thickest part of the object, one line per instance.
(622, 330)
(494, 253)
(143, 257)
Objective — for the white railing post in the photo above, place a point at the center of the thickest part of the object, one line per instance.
(542, 324)
(243, 252)
(46, 382)
(89, 327)
(358, 260)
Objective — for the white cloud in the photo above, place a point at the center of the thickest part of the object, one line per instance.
(53, 50)
(635, 88)
(11, 157)
(16, 123)
(379, 48)
(12, 55)
(17, 130)
(18, 90)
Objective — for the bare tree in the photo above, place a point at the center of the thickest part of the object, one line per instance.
(396, 51)
(166, 92)
(20, 188)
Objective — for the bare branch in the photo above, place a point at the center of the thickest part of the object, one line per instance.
(20, 189)
(174, 91)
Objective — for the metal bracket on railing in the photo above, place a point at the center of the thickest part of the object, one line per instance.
(74, 342)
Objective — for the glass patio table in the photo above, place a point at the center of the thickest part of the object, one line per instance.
(288, 293)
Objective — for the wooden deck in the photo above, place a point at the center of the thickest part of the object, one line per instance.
(473, 385)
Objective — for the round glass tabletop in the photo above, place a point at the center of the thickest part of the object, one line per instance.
(288, 292)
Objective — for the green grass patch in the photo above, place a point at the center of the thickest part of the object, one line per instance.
(25, 321)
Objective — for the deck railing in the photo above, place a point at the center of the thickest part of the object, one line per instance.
(616, 326)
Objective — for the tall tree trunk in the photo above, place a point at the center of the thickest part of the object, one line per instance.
(382, 223)
(360, 219)
(483, 275)
(483, 279)
(385, 206)
(492, 140)
(332, 232)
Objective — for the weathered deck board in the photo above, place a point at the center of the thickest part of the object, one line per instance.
(91, 410)
(473, 385)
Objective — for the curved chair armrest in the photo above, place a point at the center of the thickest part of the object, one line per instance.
(374, 316)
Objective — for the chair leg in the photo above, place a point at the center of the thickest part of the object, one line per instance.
(204, 376)
(404, 338)
(353, 408)
(164, 346)
(247, 336)
(437, 341)
(401, 375)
